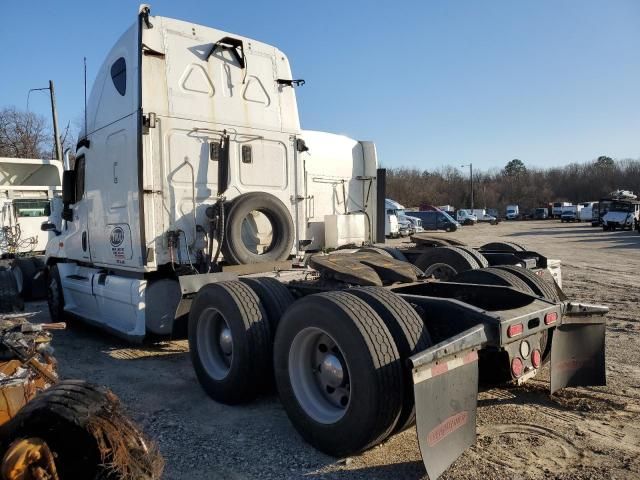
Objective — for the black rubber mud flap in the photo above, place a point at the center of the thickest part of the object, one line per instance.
(577, 351)
(446, 394)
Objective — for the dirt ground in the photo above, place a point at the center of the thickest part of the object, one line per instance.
(523, 433)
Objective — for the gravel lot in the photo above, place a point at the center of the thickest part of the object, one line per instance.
(587, 433)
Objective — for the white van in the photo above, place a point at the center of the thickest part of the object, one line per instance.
(465, 217)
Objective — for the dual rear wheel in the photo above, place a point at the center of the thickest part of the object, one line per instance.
(339, 359)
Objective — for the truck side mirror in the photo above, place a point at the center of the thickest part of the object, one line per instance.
(49, 227)
(68, 188)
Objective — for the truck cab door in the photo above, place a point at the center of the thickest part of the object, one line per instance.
(76, 242)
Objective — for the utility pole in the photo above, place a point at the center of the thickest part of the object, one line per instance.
(54, 115)
(470, 181)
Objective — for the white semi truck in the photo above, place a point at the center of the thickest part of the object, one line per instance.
(29, 195)
(196, 195)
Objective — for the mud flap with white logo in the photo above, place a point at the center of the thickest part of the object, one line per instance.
(577, 351)
(446, 394)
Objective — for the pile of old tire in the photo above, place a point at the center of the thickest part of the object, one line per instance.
(90, 437)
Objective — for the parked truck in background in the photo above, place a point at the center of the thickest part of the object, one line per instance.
(622, 214)
(482, 216)
(29, 195)
(465, 217)
(558, 208)
(604, 205)
(513, 212)
(411, 223)
(586, 212)
(541, 213)
(571, 213)
(198, 203)
(30, 191)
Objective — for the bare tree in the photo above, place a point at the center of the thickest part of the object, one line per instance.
(24, 134)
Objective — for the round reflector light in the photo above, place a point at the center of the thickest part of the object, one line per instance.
(516, 367)
(535, 358)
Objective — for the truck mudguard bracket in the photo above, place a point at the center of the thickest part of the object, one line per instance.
(577, 351)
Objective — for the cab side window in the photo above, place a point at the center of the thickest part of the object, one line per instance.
(119, 75)
(79, 168)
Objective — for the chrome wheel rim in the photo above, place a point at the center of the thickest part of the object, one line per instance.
(215, 343)
(319, 375)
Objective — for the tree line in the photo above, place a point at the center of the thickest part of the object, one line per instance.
(516, 183)
(24, 134)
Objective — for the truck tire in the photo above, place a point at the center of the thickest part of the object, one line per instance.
(537, 284)
(409, 334)
(39, 281)
(343, 333)
(378, 250)
(90, 438)
(55, 296)
(390, 252)
(9, 299)
(445, 263)
(24, 270)
(503, 247)
(233, 247)
(274, 297)
(477, 256)
(493, 276)
(230, 342)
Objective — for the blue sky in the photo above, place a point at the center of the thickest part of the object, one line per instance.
(433, 83)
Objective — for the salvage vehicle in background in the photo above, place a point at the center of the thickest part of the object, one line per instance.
(198, 203)
(29, 195)
(621, 214)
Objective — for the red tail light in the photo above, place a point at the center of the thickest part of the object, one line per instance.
(550, 318)
(515, 329)
(516, 367)
(535, 358)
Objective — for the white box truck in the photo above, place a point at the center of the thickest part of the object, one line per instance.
(513, 212)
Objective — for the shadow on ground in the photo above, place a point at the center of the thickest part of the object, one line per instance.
(412, 470)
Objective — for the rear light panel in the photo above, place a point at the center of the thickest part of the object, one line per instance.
(550, 318)
(515, 330)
